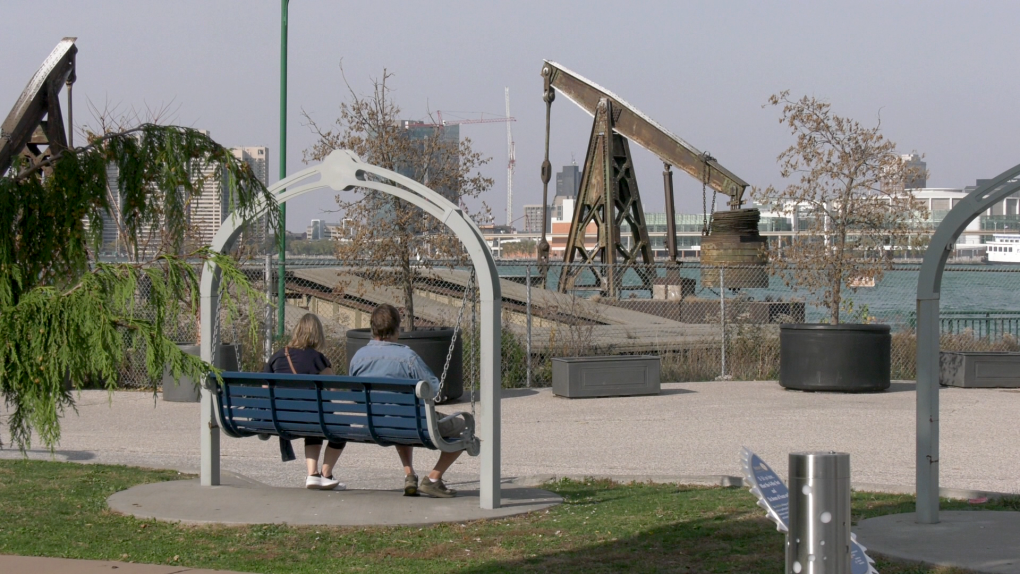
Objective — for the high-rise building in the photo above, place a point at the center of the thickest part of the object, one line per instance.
(419, 132)
(917, 172)
(208, 210)
(568, 181)
(258, 158)
(532, 219)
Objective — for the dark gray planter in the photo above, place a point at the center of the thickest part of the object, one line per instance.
(972, 369)
(847, 358)
(617, 376)
(432, 346)
(186, 390)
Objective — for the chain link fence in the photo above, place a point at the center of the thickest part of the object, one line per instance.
(705, 323)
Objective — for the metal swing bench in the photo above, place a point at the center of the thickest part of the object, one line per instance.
(380, 411)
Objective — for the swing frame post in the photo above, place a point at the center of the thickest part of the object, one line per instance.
(341, 171)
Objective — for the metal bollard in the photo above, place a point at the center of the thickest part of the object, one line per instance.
(819, 538)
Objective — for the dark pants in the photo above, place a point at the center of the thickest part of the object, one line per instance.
(312, 441)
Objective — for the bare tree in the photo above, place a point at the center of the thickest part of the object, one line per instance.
(386, 231)
(847, 199)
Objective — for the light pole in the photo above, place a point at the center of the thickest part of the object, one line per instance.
(281, 295)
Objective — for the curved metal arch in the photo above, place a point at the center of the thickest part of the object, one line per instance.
(929, 281)
(342, 170)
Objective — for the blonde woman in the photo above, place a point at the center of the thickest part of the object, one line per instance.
(301, 356)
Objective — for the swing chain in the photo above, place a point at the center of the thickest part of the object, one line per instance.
(456, 330)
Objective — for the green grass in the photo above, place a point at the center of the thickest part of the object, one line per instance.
(59, 509)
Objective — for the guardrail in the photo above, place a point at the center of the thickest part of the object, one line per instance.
(992, 325)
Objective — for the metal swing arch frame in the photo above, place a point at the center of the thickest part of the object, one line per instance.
(341, 171)
(929, 282)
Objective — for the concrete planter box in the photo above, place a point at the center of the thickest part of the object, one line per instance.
(979, 369)
(577, 377)
(186, 390)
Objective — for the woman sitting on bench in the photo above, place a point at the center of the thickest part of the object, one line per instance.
(301, 357)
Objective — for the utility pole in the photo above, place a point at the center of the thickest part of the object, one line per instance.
(281, 271)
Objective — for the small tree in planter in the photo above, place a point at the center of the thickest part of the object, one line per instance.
(851, 207)
(387, 240)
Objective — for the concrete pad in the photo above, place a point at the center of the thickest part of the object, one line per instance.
(186, 501)
(982, 541)
(37, 565)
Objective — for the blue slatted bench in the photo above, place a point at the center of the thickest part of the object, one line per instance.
(354, 409)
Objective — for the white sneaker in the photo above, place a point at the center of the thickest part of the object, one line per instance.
(314, 482)
(330, 483)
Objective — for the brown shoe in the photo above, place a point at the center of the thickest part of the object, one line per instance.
(435, 489)
(411, 485)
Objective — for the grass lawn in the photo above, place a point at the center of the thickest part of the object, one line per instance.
(59, 509)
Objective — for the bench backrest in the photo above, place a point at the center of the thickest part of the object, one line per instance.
(358, 409)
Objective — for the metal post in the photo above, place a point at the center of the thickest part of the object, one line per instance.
(667, 183)
(268, 272)
(527, 276)
(281, 295)
(927, 447)
(473, 351)
(209, 431)
(819, 538)
(722, 320)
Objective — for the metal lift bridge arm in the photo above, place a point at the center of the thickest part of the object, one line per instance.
(639, 128)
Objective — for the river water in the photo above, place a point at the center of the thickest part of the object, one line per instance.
(965, 288)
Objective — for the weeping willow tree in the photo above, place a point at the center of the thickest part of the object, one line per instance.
(63, 313)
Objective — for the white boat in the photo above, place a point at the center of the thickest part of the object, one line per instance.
(1003, 249)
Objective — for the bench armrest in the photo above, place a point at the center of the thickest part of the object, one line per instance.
(424, 391)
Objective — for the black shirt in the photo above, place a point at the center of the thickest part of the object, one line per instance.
(306, 362)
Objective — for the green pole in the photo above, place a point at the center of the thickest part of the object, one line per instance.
(281, 296)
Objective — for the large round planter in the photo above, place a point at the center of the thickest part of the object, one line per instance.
(432, 346)
(186, 390)
(846, 358)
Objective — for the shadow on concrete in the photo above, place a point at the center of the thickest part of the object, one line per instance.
(902, 387)
(676, 392)
(516, 393)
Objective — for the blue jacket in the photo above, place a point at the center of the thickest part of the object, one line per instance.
(385, 359)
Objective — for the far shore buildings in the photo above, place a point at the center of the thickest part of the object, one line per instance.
(1003, 217)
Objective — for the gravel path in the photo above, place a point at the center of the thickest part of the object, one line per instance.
(691, 429)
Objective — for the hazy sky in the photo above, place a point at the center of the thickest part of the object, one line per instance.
(941, 75)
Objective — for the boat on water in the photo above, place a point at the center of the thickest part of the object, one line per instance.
(1003, 249)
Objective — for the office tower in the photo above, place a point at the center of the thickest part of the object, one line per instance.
(532, 219)
(917, 172)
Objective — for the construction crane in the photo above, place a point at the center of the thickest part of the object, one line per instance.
(511, 162)
(480, 120)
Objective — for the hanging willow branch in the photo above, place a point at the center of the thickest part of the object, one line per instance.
(63, 313)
